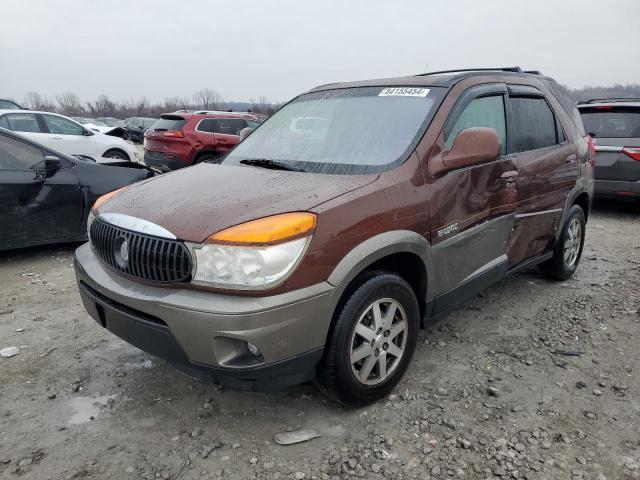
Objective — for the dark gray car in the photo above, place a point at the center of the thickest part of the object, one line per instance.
(615, 125)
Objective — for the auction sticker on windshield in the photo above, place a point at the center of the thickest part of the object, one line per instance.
(404, 92)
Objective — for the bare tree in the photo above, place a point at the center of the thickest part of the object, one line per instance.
(102, 107)
(69, 104)
(208, 99)
(263, 105)
(36, 101)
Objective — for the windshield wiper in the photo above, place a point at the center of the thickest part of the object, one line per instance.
(271, 164)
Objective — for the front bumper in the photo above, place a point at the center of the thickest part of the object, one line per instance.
(614, 188)
(207, 331)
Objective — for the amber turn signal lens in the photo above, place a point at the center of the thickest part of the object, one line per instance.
(268, 230)
(104, 198)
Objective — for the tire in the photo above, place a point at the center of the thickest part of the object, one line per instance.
(351, 384)
(115, 153)
(568, 249)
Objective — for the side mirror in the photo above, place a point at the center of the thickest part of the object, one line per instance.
(88, 132)
(472, 146)
(245, 132)
(51, 162)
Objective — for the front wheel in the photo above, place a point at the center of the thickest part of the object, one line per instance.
(372, 341)
(568, 249)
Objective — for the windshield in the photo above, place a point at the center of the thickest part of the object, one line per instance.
(347, 131)
(612, 122)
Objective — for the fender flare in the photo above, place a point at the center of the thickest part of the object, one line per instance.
(378, 247)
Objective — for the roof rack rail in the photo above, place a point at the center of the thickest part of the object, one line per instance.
(610, 100)
(462, 70)
(533, 72)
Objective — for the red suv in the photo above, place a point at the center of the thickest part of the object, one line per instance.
(181, 139)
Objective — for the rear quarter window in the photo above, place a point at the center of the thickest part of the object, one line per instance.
(612, 122)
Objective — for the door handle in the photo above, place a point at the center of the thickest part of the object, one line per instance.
(57, 138)
(507, 177)
(571, 158)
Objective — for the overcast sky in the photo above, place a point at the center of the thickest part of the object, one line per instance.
(279, 48)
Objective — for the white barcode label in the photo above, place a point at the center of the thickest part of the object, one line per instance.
(403, 92)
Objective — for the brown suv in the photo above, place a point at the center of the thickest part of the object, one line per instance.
(340, 226)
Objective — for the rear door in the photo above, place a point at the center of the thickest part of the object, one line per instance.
(614, 128)
(472, 209)
(547, 167)
(69, 137)
(27, 125)
(227, 133)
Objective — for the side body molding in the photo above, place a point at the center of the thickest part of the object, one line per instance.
(380, 246)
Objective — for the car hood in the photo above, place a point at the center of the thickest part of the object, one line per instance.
(195, 202)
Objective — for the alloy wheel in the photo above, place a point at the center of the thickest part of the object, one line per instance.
(572, 242)
(378, 341)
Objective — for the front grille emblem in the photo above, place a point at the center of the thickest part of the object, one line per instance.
(121, 252)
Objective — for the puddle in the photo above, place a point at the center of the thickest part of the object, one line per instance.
(86, 407)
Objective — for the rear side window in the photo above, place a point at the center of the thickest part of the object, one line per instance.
(23, 122)
(230, 126)
(534, 124)
(17, 155)
(207, 125)
(481, 112)
(62, 126)
(614, 122)
(168, 123)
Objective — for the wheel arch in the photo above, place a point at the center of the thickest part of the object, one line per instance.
(405, 253)
(117, 149)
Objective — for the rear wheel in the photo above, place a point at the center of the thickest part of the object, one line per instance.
(372, 341)
(115, 153)
(568, 249)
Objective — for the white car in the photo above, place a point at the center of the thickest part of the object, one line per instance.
(67, 135)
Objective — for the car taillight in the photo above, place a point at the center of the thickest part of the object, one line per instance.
(633, 152)
(591, 142)
(173, 134)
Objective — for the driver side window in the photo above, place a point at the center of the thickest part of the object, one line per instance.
(17, 155)
(481, 112)
(62, 126)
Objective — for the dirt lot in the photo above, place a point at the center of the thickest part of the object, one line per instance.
(485, 396)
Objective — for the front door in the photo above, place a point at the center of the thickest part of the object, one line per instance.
(471, 209)
(38, 204)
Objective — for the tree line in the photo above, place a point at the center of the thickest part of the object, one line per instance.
(205, 99)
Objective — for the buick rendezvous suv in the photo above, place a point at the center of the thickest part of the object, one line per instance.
(318, 248)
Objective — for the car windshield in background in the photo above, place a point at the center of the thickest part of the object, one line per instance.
(168, 123)
(346, 131)
(8, 105)
(612, 122)
(148, 122)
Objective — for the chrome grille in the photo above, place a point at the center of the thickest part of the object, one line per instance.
(146, 257)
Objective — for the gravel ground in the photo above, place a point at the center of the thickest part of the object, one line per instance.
(532, 379)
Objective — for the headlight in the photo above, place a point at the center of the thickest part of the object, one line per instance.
(255, 254)
(246, 267)
(90, 220)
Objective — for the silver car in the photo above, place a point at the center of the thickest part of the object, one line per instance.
(615, 125)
